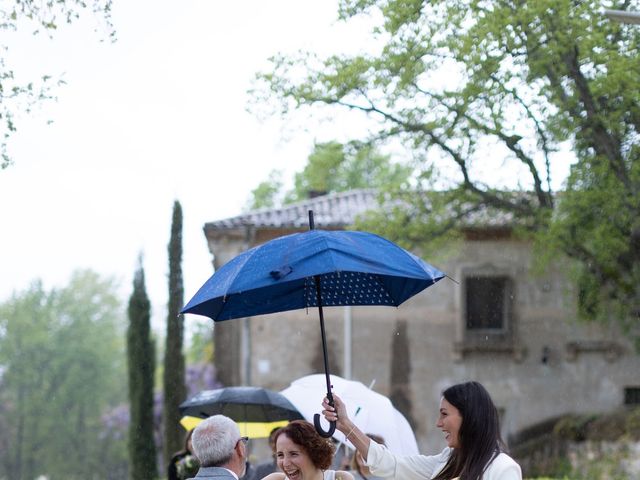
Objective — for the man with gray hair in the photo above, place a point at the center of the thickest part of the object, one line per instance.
(221, 450)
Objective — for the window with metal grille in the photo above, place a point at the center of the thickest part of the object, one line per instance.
(486, 303)
(632, 395)
(487, 319)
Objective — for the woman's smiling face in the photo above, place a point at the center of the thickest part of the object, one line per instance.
(293, 460)
(450, 422)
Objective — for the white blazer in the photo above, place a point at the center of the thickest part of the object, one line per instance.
(385, 464)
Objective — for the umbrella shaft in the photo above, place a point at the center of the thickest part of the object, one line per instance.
(324, 340)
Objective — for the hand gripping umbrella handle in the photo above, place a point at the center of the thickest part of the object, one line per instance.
(332, 425)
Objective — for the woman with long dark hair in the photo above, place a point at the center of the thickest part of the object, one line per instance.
(469, 420)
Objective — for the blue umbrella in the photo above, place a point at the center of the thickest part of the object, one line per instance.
(313, 269)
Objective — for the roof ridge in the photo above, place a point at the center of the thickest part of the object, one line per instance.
(332, 209)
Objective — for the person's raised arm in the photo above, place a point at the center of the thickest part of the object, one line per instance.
(339, 415)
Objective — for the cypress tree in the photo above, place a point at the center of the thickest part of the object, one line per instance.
(141, 366)
(174, 386)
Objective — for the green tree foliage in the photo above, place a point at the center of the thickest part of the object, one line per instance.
(141, 366)
(200, 349)
(322, 172)
(62, 367)
(174, 367)
(20, 95)
(489, 95)
(265, 195)
(333, 167)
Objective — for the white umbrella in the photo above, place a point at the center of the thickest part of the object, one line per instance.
(369, 410)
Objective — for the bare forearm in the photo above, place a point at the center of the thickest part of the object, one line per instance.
(357, 437)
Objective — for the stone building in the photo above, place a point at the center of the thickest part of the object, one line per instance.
(503, 325)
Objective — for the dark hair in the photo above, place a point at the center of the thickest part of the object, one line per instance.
(185, 450)
(302, 433)
(479, 436)
(272, 438)
(172, 469)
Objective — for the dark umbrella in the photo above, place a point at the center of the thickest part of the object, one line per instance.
(255, 408)
(313, 269)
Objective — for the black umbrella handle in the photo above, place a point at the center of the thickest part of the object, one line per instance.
(320, 430)
(316, 419)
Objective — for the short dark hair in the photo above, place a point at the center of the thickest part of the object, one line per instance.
(302, 433)
(272, 438)
(479, 436)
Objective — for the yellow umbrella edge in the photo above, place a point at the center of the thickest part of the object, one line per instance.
(247, 429)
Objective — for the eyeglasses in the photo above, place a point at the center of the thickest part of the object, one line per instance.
(244, 440)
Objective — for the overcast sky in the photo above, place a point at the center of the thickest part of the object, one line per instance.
(157, 116)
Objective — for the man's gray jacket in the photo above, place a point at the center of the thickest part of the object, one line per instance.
(214, 472)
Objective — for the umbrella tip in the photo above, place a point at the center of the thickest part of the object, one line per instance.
(311, 222)
(452, 279)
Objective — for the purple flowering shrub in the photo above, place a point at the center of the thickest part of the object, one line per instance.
(198, 376)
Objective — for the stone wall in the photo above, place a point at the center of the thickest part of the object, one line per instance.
(594, 447)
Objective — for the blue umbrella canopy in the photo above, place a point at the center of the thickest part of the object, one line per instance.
(353, 268)
(314, 269)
